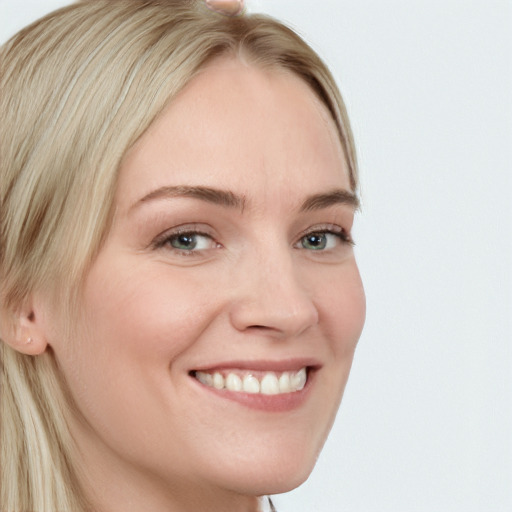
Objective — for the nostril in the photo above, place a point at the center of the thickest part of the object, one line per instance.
(262, 328)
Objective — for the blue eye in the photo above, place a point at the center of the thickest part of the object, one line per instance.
(315, 241)
(189, 241)
(324, 240)
(184, 242)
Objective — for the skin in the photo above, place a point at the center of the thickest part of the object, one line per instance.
(229, 7)
(151, 437)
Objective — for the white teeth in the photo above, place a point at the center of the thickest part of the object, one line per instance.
(270, 383)
(284, 383)
(218, 381)
(298, 380)
(233, 382)
(205, 378)
(251, 384)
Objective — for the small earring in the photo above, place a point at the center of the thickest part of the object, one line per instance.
(29, 341)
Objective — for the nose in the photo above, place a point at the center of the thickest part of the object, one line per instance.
(271, 298)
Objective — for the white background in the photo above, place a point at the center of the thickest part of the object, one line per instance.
(426, 422)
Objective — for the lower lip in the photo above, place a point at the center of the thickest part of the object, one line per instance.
(271, 403)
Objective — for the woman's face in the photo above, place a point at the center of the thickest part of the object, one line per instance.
(228, 266)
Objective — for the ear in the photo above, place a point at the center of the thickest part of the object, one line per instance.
(23, 329)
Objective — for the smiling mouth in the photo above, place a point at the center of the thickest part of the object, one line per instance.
(254, 382)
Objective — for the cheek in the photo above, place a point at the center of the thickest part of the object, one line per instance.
(133, 328)
(147, 315)
(343, 310)
(341, 302)
(123, 368)
(343, 313)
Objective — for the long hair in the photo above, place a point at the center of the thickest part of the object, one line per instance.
(77, 89)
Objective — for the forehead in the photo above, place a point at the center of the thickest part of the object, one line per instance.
(240, 127)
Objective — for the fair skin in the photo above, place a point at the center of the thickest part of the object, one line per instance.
(257, 279)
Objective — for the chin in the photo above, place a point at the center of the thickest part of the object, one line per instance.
(276, 473)
(275, 482)
(284, 483)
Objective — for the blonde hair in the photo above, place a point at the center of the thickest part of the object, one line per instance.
(78, 88)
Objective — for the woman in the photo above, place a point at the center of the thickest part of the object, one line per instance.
(179, 296)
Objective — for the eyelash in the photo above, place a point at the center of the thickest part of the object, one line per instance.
(166, 239)
(338, 232)
(331, 230)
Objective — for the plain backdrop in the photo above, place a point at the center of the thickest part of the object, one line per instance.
(426, 421)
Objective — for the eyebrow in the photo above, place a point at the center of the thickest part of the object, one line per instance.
(331, 198)
(229, 199)
(208, 194)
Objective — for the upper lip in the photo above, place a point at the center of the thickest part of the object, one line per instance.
(282, 365)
